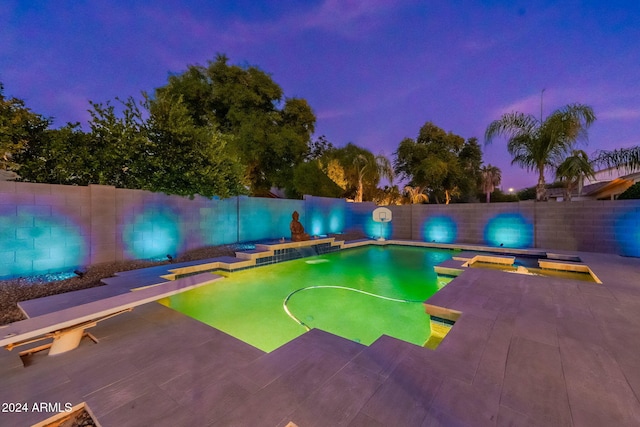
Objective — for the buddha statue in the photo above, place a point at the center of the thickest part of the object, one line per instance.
(297, 230)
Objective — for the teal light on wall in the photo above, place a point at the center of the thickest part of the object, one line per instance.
(627, 232)
(38, 240)
(155, 233)
(336, 219)
(378, 229)
(324, 221)
(316, 224)
(510, 230)
(440, 229)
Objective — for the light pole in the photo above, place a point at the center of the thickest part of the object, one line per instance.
(541, 95)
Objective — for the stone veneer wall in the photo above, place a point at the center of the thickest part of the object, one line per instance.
(50, 228)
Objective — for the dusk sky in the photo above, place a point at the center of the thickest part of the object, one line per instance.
(374, 71)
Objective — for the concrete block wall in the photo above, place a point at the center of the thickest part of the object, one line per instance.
(263, 218)
(401, 223)
(509, 224)
(52, 228)
(593, 226)
(153, 225)
(359, 218)
(43, 228)
(324, 215)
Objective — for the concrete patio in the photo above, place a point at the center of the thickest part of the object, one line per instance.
(527, 350)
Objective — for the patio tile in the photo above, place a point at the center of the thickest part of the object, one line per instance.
(281, 397)
(111, 371)
(339, 400)
(405, 397)
(507, 417)
(494, 358)
(383, 355)
(534, 382)
(142, 410)
(461, 404)
(103, 400)
(362, 420)
(602, 401)
(583, 359)
(208, 397)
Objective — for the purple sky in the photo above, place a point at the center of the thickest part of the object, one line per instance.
(374, 71)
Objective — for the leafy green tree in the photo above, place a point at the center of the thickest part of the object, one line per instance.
(358, 170)
(470, 159)
(498, 196)
(20, 130)
(491, 178)
(309, 178)
(271, 134)
(319, 148)
(572, 171)
(431, 161)
(388, 195)
(120, 144)
(62, 156)
(187, 159)
(632, 192)
(539, 145)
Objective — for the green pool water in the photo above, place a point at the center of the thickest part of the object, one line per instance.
(332, 295)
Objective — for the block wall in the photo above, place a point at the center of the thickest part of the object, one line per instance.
(496, 224)
(43, 228)
(262, 218)
(593, 226)
(52, 228)
(325, 215)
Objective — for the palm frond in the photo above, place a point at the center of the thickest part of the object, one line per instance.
(621, 158)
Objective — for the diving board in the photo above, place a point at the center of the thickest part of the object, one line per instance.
(67, 327)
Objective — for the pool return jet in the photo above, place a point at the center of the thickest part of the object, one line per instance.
(382, 215)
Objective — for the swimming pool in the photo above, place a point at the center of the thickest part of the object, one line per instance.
(358, 294)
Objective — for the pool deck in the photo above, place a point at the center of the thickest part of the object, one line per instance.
(527, 350)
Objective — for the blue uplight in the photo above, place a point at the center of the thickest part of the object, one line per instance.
(440, 229)
(378, 229)
(37, 240)
(324, 221)
(153, 234)
(509, 230)
(627, 232)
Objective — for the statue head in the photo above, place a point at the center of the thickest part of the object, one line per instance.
(295, 215)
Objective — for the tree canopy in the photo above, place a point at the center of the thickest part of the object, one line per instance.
(538, 145)
(271, 134)
(439, 161)
(19, 128)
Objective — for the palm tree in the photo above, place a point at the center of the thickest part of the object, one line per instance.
(621, 158)
(572, 172)
(416, 194)
(538, 145)
(491, 178)
(363, 164)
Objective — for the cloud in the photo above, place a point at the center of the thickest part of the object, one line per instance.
(527, 105)
(620, 114)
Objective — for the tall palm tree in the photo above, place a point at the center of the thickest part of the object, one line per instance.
(363, 165)
(572, 172)
(416, 195)
(538, 145)
(491, 178)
